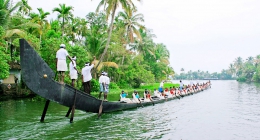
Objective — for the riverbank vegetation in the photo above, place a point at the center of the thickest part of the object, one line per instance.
(124, 48)
(247, 70)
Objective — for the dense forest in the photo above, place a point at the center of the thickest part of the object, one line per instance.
(117, 37)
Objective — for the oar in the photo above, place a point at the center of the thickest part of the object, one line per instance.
(177, 96)
(73, 107)
(101, 105)
(140, 102)
(100, 109)
(151, 101)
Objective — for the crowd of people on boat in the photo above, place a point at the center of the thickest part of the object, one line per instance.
(164, 92)
(104, 80)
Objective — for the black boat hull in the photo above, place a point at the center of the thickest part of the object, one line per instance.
(34, 68)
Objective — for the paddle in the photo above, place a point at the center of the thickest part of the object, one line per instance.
(101, 105)
(140, 102)
(73, 107)
(100, 109)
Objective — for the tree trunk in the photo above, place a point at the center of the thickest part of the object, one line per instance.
(62, 25)
(109, 36)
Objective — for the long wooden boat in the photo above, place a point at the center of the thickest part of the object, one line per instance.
(33, 70)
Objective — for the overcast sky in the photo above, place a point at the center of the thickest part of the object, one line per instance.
(202, 35)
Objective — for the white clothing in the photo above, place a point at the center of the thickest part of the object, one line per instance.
(161, 84)
(135, 99)
(86, 72)
(107, 80)
(73, 72)
(61, 54)
(102, 79)
(62, 65)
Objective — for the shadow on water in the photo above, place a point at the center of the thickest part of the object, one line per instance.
(229, 110)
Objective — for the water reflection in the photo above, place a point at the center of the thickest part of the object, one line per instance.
(229, 110)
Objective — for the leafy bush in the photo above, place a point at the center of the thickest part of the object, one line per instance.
(113, 85)
(94, 85)
(241, 79)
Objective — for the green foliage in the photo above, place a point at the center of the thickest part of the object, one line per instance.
(94, 85)
(156, 86)
(241, 79)
(113, 85)
(4, 58)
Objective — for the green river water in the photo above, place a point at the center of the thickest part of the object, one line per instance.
(228, 111)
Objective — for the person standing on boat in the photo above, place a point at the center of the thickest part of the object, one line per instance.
(101, 80)
(61, 63)
(86, 76)
(73, 71)
(107, 82)
(181, 86)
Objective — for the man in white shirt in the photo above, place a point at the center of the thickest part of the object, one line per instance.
(86, 76)
(107, 82)
(61, 63)
(73, 71)
(101, 80)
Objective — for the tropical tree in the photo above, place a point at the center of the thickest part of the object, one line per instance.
(25, 8)
(131, 22)
(238, 65)
(64, 13)
(6, 10)
(111, 6)
(41, 20)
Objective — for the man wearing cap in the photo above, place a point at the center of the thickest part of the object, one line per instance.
(73, 71)
(101, 80)
(107, 82)
(86, 76)
(61, 63)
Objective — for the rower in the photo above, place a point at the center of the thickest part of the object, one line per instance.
(73, 71)
(107, 82)
(123, 97)
(136, 96)
(61, 63)
(101, 84)
(86, 76)
(147, 95)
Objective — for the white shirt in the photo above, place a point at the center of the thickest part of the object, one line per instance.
(102, 79)
(161, 84)
(72, 70)
(61, 54)
(86, 72)
(107, 80)
(181, 84)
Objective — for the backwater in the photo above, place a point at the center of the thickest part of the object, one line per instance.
(228, 111)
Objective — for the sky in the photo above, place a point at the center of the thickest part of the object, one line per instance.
(205, 35)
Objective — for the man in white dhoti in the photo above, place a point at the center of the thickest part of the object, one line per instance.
(61, 63)
(73, 71)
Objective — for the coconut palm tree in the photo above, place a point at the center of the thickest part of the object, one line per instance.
(111, 6)
(25, 8)
(6, 10)
(64, 13)
(41, 20)
(238, 65)
(131, 22)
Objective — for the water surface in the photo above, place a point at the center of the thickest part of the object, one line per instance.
(228, 111)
